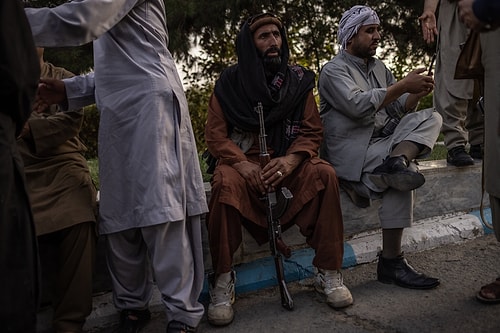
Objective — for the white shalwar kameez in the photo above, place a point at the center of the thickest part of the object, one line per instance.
(149, 170)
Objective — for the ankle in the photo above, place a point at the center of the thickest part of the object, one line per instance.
(391, 255)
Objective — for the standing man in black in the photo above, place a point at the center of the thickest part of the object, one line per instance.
(19, 73)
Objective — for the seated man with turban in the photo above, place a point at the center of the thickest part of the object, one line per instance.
(294, 132)
(372, 134)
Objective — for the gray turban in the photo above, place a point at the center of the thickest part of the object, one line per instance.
(352, 20)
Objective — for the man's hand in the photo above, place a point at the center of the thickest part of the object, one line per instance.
(466, 14)
(415, 83)
(25, 131)
(278, 168)
(429, 27)
(50, 91)
(252, 173)
(273, 173)
(418, 86)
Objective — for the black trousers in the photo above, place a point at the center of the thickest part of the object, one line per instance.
(19, 267)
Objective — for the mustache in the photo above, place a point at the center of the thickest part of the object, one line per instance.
(272, 49)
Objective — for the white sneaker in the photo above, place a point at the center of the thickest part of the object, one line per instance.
(220, 310)
(331, 284)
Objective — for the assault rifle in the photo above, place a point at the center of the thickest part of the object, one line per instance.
(276, 205)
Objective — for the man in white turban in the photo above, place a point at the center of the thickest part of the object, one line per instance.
(352, 20)
(372, 133)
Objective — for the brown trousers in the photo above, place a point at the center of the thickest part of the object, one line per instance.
(67, 258)
(315, 209)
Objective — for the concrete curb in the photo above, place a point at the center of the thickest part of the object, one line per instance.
(361, 248)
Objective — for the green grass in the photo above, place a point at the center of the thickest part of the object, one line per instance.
(94, 171)
(438, 153)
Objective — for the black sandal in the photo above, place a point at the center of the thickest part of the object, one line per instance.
(132, 321)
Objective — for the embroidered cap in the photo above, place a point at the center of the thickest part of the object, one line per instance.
(257, 21)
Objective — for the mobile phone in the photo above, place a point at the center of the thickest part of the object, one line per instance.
(429, 72)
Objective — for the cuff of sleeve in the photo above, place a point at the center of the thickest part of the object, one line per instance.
(482, 13)
(77, 94)
(377, 97)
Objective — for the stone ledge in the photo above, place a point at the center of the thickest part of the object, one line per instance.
(447, 190)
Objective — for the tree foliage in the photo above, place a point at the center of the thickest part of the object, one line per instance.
(212, 26)
(197, 101)
(89, 130)
(202, 36)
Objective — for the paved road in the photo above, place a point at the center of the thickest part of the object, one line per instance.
(452, 307)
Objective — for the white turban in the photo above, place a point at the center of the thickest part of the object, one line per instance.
(352, 20)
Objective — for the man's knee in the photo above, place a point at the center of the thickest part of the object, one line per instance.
(227, 176)
(324, 169)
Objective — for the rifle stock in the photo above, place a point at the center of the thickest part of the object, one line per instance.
(276, 205)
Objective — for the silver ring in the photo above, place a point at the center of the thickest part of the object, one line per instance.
(279, 173)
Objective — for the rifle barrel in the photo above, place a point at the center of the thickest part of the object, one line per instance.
(278, 247)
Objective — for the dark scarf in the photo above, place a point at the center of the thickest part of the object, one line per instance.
(240, 87)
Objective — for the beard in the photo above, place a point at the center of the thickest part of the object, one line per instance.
(272, 64)
(364, 52)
